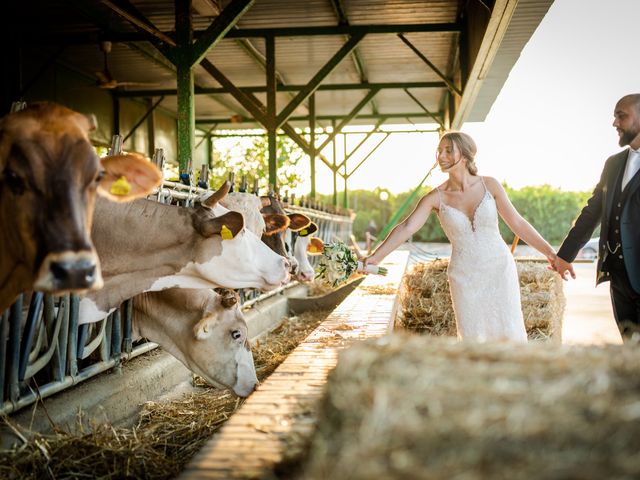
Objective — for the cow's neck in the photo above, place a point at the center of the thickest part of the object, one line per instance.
(138, 243)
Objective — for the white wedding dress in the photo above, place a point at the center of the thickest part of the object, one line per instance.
(482, 274)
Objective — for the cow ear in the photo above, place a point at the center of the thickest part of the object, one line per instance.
(266, 201)
(298, 221)
(227, 225)
(315, 247)
(308, 230)
(275, 223)
(127, 177)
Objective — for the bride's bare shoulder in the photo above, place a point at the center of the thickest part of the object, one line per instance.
(492, 184)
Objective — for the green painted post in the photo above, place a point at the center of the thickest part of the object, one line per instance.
(312, 142)
(345, 199)
(182, 58)
(186, 115)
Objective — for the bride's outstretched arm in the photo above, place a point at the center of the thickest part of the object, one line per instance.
(516, 222)
(404, 229)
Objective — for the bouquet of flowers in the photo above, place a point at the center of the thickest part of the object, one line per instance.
(338, 262)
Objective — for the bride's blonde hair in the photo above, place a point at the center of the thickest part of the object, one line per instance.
(467, 148)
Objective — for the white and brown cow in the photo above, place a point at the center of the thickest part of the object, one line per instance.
(147, 246)
(304, 243)
(203, 329)
(49, 176)
(273, 212)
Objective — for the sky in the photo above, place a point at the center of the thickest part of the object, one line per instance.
(551, 123)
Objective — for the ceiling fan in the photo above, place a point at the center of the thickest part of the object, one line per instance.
(105, 80)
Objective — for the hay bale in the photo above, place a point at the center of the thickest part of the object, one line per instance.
(427, 307)
(542, 300)
(409, 406)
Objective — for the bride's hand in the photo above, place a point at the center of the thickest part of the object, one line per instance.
(370, 260)
(551, 258)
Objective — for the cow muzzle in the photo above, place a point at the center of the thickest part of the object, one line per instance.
(69, 272)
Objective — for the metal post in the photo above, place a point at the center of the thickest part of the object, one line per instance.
(15, 318)
(184, 73)
(271, 109)
(35, 310)
(127, 344)
(334, 170)
(72, 342)
(345, 200)
(312, 142)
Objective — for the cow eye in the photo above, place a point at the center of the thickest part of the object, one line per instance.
(236, 334)
(100, 176)
(14, 182)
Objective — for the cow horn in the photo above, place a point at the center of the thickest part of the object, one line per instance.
(218, 195)
(228, 297)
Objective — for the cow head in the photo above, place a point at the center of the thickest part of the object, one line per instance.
(277, 222)
(305, 244)
(243, 254)
(203, 329)
(49, 177)
(224, 330)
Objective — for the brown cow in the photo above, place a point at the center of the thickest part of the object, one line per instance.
(49, 176)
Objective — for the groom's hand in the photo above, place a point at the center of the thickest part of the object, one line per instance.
(562, 267)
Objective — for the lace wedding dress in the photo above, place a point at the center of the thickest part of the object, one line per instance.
(482, 274)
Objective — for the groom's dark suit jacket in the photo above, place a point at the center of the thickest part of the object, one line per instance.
(599, 210)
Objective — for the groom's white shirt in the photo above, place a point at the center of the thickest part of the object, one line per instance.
(633, 165)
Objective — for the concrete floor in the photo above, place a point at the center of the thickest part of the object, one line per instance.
(588, 317)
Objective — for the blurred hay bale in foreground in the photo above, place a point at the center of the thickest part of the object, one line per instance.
(418, 407)
(427, 307)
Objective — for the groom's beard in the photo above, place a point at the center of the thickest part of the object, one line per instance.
(627, 137)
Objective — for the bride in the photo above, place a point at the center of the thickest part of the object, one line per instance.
(482, 273)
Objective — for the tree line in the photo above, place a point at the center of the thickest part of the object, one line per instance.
(550, 210)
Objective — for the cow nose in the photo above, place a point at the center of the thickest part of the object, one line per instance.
(74, 274)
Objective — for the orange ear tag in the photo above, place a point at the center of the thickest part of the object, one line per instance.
(225, 233)
(120, 187)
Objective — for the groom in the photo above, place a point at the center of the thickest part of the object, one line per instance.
(615, 205)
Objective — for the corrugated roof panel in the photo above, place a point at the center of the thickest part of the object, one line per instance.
(236, 64)
(388, 59)
(299, 59)
(371, 12)
(287, 13)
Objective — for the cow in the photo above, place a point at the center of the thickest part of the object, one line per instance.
(203, 329)
(303, 244)
(147, 246)
(49, 177)
(274, 237)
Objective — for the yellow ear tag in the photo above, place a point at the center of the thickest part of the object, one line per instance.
(303, 232)
(120, 187)
(225, 233)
